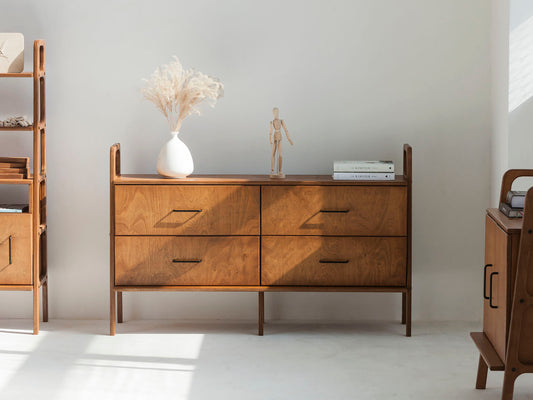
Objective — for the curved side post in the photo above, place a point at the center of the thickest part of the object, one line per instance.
(114, 164)
(406, 296)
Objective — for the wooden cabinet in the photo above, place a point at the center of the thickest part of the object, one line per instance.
(252, 233)
(15, 249)
(505, 343)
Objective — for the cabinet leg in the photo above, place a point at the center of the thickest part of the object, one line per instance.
(403, 308)
(112, 314)
(408, 313)
(482, 369)
(508, 384)
(35, 309)
(119, 307)
(261, 313)
(45, 301)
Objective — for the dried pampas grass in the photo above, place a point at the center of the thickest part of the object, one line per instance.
(177, 92)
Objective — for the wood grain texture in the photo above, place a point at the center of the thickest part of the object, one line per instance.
(163, 260)
(497, 249)
(491, 357)
(187, 210)
(339, 211)
(19, 270)
(509, 225)
(253, 180)
(332, 261)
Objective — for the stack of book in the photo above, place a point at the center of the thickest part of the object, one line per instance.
(363, 170)
(514, 204)
(14, 167)
(14, 208)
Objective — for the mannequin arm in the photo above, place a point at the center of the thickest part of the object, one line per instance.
(286, 132)
(270, 133)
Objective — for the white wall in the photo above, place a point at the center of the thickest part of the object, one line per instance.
(353, 79)
(521, 87)
(499, 96)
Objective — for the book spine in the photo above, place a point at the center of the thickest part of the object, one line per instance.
(363, 176)
(362, 167)
(508, 211)
(516, 199)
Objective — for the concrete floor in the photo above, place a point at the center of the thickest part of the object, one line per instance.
(197, 361)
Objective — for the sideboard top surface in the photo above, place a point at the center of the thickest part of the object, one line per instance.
(509, 225)
(153, 179)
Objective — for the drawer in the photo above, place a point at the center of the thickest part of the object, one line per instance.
(333, 261)
(187, 210)
(205, 261)
(15, 249)
(334, 210)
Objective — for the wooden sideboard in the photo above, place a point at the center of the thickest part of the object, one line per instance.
(256, 234)
(505, 343)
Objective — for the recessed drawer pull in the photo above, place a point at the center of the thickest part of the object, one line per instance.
(9, 240)
(186, 261)
(334, 261)
(187, 211)
(335, 211)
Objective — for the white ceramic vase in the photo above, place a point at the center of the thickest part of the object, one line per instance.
(175, 159)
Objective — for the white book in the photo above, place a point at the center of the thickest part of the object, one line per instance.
(363, 166)
(13, 208)
(363, 176)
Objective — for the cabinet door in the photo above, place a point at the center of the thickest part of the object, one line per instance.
(497, 259)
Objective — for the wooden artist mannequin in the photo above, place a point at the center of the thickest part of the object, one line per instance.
(277, 124)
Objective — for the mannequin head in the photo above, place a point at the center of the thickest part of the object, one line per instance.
(275, 111)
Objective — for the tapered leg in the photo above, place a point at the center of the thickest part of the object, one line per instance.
(408, 313)
(482, 369)
(261, 313)
(119, 307)
(45, 301)
(508, 384)
(112, 314)
(403, 308)
(35, 310)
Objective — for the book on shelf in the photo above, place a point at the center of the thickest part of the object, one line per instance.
(363, 176)
(14, 208)
(511, 212)
(363, 166)
(516, 198)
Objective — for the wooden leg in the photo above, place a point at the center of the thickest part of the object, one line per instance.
(119, 307)
(403, 308)
(408, 313)
(112, 314)
(482, 369)
(45, 301)
(261, 313)
(508, 384)
(35, 309)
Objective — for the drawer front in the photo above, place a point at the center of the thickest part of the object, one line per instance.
(15, 249)
(205, 261)
(334, 210)
(332, 261)
(187, 210)
(495, 318)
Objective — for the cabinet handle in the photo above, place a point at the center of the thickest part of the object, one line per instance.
(186, 261)
(187, 211)
(335, 211)
(485, 281)
(490, 290)
(9, 240)
(334, 261)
